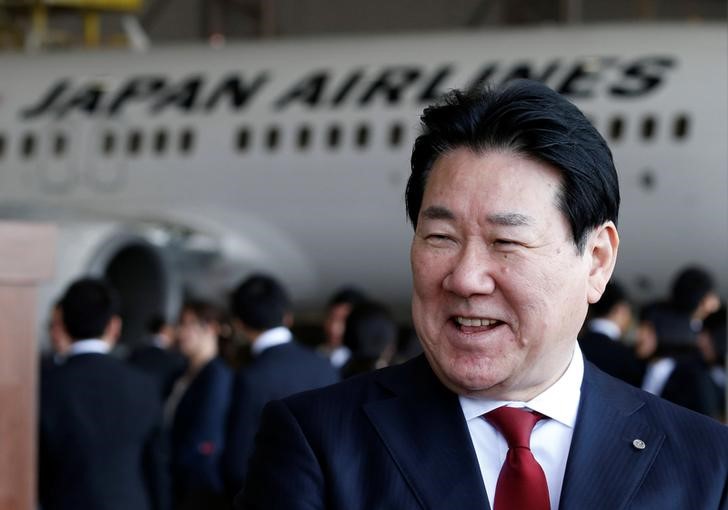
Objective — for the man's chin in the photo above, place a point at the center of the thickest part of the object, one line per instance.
(468, 381)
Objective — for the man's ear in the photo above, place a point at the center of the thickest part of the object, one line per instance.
(602, 250)
(288, 320)
(113, 330)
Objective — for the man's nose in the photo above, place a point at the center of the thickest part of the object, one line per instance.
(472, 272)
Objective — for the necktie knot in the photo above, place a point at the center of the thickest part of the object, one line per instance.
(515, 424)
(521, 482)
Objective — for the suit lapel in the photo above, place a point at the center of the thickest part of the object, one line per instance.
(423, 428)
(612, 448)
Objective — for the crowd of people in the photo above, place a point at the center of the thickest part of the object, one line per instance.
(674, 348)
(171, 427)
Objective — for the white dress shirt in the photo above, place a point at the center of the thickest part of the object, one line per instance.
(550, 439)
(271, 338)
(92, 345)
(606, 328)
(340, 356)
(658, 372)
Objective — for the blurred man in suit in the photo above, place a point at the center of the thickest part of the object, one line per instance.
(100, 426)
(601, 340)
(158, 358)
(280, 367)
(514, 199)
(371, 337)
(678, 370)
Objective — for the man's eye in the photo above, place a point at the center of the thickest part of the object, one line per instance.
(438, 238)
(504, 242)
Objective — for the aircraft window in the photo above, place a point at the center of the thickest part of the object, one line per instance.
(134, 143)
(648, 128)
(362, 136)
(396, 134)
(243, 139)
(27, 146)
(304, 137)
(108, 143)
(334, 136)
(160, 141)
(59, 145)
(616, 128)
(2, 145)
(680, 129)
(272, 138)
(186, 140)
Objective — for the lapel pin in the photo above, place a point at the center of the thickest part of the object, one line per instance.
(639, 444)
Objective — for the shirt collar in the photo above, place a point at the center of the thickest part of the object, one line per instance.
(159, 342)
(271, 338)
(560, 401)
(92, 345)
(605, 327)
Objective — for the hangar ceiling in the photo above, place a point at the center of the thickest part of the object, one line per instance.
(164, 21)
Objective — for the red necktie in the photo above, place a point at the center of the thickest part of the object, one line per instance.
(521, 483)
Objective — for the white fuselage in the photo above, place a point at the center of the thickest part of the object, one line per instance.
(240, 147)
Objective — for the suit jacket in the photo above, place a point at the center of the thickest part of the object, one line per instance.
(198, 433)
(100, 437)
(162, 365)
(396, 439)
(613, 357)
(690, 385)
(277, 372)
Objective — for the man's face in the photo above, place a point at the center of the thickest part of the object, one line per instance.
(500, 290)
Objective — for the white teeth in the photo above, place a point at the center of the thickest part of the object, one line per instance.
(465, 321)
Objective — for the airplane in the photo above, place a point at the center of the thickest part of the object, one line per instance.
(179, 170)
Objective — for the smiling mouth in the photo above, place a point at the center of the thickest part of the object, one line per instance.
(475, 324)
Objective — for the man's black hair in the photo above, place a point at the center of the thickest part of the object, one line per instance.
(369, 330)
(690, 286)
(529, 119)
(347, 295)
(155, 323)
(204, 312)
(87, 307)
(260, 302)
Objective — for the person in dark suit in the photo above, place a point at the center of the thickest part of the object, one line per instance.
(280, 367)
(198, 409)
(514, 200)
(601, 341)
(370, 336)
(678, 370)
(100, 427)
(157, 358)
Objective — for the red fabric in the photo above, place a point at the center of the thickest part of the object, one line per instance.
(521, 483)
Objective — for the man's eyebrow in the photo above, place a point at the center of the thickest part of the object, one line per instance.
(437, 212)
(510, 219)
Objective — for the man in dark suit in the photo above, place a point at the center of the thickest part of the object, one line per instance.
(514, 200)
(601, 340)
(157, 358)
(100, 426)
(280, 367)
